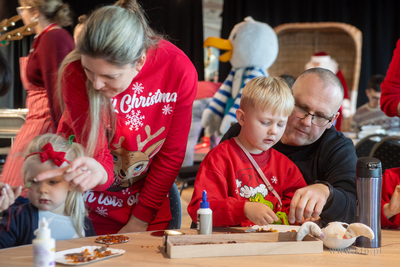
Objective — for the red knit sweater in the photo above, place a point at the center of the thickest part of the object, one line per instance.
(49, 50)
(390, 96)
(231, 180)
(153, 120)
(391, 178)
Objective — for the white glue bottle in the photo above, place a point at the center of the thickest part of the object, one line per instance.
(204, 217)
(44, 246)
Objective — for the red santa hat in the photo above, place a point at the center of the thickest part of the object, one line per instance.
(323, 60)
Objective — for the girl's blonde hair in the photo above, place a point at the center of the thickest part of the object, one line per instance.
(120, 35)
(268, 93)
(54, 10)
(74, 204)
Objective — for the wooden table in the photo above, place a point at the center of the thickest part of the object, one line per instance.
(145, 250)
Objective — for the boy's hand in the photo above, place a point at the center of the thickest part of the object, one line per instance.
(259, 213)
(393, 207)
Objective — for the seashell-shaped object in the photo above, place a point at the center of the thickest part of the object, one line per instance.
(334, 233)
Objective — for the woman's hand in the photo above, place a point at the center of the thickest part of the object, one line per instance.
(83, 173)
(134, 225)
(8, 195)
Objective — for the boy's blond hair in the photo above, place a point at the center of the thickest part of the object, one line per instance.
(268, 93)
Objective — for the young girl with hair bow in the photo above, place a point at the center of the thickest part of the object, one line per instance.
(54, 199)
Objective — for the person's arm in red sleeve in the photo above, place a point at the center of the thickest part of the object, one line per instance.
(55, 45)
(390, 180)
(77, 108)
(167, 162)
(390, 97)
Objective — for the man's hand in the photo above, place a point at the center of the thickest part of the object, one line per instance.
(134, 225)
(393, 207)
(259, 213)
(308, 202)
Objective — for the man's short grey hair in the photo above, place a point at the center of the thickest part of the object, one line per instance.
(326, 76)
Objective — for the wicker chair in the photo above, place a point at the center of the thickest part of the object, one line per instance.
(299, 41)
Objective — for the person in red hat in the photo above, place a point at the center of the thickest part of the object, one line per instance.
(323, 60)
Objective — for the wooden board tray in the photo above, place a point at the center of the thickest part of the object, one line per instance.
(243, 244)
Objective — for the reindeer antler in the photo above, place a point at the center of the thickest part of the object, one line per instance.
(9, 22)
(16, 34)
(119, 144)
(149, 137)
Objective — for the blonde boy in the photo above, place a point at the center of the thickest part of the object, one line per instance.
(237, 193)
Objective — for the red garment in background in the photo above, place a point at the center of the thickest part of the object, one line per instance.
(39, 76)
(390, 96)
(206, 89)
(346, 96)
(390, 179)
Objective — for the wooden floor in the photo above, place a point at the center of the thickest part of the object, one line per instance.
(188, 191)
(185, 199)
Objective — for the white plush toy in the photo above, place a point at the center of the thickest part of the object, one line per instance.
(335, 235)
(252, 48)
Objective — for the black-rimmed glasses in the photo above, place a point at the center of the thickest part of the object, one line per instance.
(317, 120)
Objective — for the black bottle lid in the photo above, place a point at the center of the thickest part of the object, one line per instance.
(368, 167)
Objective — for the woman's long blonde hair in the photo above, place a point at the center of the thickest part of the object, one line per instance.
(74, 204)
(120, 35)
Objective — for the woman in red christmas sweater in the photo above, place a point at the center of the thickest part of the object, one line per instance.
(39, 77)
(128, 96)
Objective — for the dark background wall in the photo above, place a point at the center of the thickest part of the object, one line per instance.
(181, 20)
(379, 22)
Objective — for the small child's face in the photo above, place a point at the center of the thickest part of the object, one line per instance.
(261, 130)
(48, 195)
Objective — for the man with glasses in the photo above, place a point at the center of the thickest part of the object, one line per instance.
(325, 157)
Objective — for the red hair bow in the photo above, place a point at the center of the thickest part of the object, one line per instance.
(49, 153)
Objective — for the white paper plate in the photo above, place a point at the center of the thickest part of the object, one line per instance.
(280, 228)
(60, 255)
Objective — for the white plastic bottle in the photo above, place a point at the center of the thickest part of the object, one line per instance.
(44, 246)
(204, 217)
